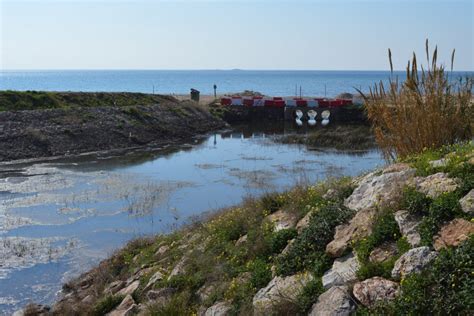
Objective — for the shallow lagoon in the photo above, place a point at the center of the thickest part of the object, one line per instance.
(58, 218)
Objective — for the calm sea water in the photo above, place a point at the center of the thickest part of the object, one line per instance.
(59, 218)
(286, 83)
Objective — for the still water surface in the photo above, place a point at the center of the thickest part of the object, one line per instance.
(59, 218)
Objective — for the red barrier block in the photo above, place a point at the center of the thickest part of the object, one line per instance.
(301, 102)
(248, 102)
(226, 101)
(279, 103)
(269, 103)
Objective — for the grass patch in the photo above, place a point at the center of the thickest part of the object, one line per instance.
(443, 288)
(107, 304)
(308, 250)
(444, 208)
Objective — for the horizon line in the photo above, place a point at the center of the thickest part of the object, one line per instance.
(206, 69)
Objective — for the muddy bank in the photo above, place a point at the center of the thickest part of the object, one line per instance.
(342, 137)
(77, 129)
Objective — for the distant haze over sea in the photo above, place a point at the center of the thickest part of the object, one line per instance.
(269, 82)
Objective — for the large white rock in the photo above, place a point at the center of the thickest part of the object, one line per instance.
(453, 233)
(359, 226)
(467, 203)
(380, 188)
(157, 276)
(408, 224)
(413, 261)
(335, 301)
(282, 220)
(126, 308)
(343, 271)
(436, 184)
(374, 290)
(279, 290)
(129, 289)
(219, 309)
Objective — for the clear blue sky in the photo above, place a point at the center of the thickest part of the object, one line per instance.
(146, 34)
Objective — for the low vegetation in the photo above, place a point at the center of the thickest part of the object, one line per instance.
(33, 100)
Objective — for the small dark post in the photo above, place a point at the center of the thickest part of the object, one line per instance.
(215, 91)
(195, 95)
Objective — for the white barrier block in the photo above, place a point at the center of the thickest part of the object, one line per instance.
(290, 102)
(237, 101)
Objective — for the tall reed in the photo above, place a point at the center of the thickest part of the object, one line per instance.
(427, 110)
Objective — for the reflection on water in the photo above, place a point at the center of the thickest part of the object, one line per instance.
(59, 218)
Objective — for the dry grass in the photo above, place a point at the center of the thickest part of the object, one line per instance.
(428, 110)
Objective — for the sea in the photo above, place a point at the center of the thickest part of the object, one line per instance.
(273, 83)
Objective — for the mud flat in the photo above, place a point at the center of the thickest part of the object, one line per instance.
(86, 122)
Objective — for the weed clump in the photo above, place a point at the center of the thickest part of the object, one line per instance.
(428, 110)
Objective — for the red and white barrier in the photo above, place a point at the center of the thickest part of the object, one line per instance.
(279, 102)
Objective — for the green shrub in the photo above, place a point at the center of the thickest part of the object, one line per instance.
(415, 202)
(279, 240)
(309, 295)
(384, 229)
(308, 250)
(444, 208)
(370, 269)
(403, 245)
(179, 304)
(272, 202)
(465, 172)
(107, 304)
(261, 273)
(443, 288)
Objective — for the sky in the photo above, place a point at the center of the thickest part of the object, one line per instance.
(226, 34)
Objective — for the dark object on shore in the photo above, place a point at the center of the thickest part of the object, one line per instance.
(195, 95)
(215, 91)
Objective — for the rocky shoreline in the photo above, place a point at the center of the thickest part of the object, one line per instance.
(389, 242)
(73, 130)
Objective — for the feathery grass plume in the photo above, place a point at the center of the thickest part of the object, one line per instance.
(428, 110)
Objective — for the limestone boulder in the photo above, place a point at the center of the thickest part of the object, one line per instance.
(413, 261)
(383, 252)
(126, 308)
(304, 222)
(282, 220)
(359, 226)
(130, 289)
(219, 309)
(160, 253)
(157, 276)
(375, 290)
(380, 188)
(453, 233)
(179, 268)
(443, 162)
(241, 241)
(343, 271)
(436, 184)
(467, 203)
(408, 224)
(114, 287)
(278, 291)
(335, 301)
